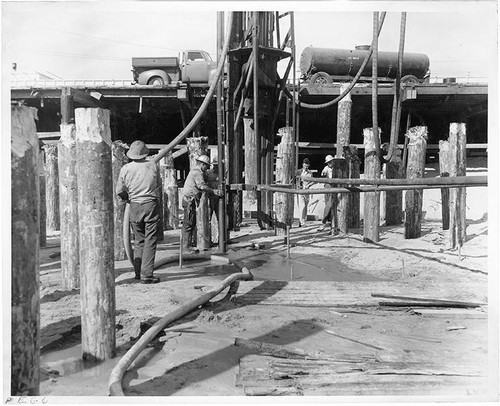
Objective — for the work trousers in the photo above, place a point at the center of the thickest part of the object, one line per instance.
(303, 203)
(144, 218)
(189, 222)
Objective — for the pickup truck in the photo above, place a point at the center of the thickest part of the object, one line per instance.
(196, 66)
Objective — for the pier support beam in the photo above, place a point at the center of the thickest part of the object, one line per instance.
(444, 171)
(170, 193)
(284, 175)
(43, 209)
(251, 165)
(417, 145)
(95, 208)
(52, 187)
(25, 310)
(371, 216)
(68, 188)
(343, 122)
(197, 146)
(394, 199)
(340, 201)
(118, 160)
(458, 206)
(353, 165)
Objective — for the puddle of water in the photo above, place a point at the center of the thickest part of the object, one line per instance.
(303, 268)
(69, 361)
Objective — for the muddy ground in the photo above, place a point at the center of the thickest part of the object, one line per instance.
(196, 355)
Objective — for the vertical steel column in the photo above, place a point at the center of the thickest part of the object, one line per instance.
(220, 138)
(255, 51)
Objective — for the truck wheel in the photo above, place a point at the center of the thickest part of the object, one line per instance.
(408, 79)
(156, 81)
(321, 78)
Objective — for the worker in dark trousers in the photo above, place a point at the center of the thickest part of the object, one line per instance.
(194, 185)
(139, 183)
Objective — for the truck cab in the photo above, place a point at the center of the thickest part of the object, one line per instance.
(195, 66)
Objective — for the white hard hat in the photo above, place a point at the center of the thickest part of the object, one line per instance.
(203, 158)
(329, 158)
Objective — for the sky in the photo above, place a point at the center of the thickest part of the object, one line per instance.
(96, 40)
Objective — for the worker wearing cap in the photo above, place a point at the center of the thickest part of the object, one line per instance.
(139, 183)
(305, 172)
(327, 172)
(194, 185)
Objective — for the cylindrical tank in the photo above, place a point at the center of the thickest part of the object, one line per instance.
(346, 62)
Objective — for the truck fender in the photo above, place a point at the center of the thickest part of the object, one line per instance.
(146, 75)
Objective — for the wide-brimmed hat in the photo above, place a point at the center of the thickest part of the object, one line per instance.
(137, 150)
(203, 158)
(329, 158)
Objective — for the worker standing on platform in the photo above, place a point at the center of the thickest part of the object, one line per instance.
(327, 172)
(139, 183)
(305, 172)
(194, 185)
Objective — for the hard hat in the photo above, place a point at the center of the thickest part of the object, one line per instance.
(138, 150)
(329, 158)
(203, 158)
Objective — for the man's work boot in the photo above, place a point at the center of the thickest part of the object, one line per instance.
(186, 243)
(137, 268)
(151, 279)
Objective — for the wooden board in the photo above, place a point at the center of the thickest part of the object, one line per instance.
(335, 294)
(265, 375)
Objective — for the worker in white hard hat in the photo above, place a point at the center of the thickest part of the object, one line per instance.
(139, 183)
(327, 172)
(194, 185)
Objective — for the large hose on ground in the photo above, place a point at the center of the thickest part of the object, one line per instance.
(351, 85)
(115, 379)
(194, 121)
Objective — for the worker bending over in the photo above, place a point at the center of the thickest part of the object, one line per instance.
(194, 185)
(139, 182)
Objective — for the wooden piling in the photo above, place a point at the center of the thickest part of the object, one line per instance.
(25, 310)
(394, 199)
(68, 197)
(160, 229)
(95, 208)
(444, 170)
(343, 122)
(283, 202)
(197, 146)
(52, 187)
(417, 144)
(353, 165)
(170, 194)
(118, 160)
(371, 217)
(458, 166)
(251, 165)
(340, 206)
(43, 212)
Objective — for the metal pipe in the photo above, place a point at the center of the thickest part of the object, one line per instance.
(220, 139)
(461, 180)
(375, 92)
(287, 241)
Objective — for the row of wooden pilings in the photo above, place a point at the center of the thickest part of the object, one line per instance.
(80, 174)
(346, 206)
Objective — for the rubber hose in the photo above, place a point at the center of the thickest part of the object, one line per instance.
(182, 135)
(397, 103)
(351, 85)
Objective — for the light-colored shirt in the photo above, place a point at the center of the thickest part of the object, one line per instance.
(327, 172)
(193, 184)
(304, 173)
(141, 180)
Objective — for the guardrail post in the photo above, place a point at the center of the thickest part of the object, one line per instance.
(416, 166)
(458, 206)
(25, 310)
(95, 209)
(68, 187)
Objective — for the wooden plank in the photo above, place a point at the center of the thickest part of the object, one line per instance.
(333, 294)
